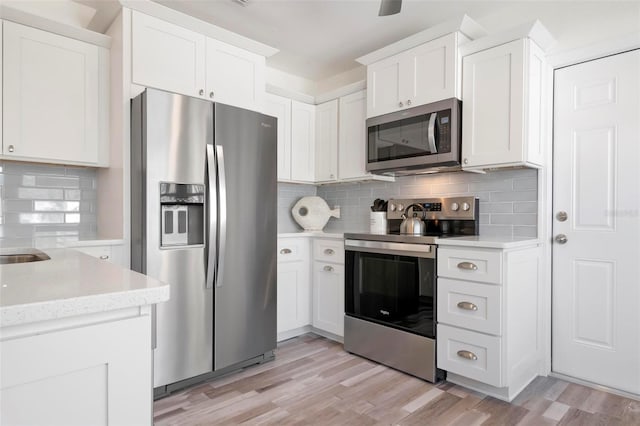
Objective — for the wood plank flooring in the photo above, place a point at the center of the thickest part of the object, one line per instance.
(314, 381)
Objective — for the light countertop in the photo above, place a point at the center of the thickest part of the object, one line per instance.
(488, 241)
(316, 234)
(71, 283)
(94, 243)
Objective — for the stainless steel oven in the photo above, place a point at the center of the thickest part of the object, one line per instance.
(390, 304)
(391, 285)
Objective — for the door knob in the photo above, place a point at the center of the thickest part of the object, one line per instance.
(561, 239)
(561, 216)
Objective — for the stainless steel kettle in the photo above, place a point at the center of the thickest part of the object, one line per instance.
(412, 225)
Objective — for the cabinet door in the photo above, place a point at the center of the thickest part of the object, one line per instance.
(234, 76)
(492, 106)
(166, 56)
(303, 123)
(294, 296)
(94, 375)
(328, 297)
(52, 101)
(431, 71)
(352, 147)
(326, 143)
(280, 107)
(384, 86)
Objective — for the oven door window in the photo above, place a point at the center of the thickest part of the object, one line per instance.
(398, 291)
(422, 135)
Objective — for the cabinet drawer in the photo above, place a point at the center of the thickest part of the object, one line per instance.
(328, 251)
(470, 354)
(473, 306)
(292, 249)
(483, 265)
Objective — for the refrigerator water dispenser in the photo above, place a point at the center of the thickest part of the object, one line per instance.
(182, 210)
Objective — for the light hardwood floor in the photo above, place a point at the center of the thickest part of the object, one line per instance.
(314, 381)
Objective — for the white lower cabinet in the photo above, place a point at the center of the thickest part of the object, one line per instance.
(310, 286)
(294, 285)
(328, 286)
(488, 336)
(93, 374)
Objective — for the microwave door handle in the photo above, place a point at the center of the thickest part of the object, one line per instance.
(432, 133)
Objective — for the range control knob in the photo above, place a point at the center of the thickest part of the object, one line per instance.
(400, 207)
(392, 207)
(455, 207)
(466, 207)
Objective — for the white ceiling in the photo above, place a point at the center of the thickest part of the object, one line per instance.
(318, 39)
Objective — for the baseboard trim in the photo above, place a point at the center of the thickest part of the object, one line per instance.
(595, 386)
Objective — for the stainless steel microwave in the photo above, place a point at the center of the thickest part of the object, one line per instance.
(419, 139)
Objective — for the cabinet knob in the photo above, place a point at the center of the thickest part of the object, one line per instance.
(408, 101)
(211, 95)
(104, 257)
(467, 306)
(400, 104)
(465, 161)
(329, 251)
(11, 149)
(467, 355)
(201, 92)
(285, 251)
(328, 268)
(468, 266)
(331, 175)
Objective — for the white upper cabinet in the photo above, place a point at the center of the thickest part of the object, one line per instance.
(353, 136)
(326, 143)
(423, 74)
(303, 128)
(173, 58)
(280, 107)
(55, 98)
(433, 73)
(235, 76)
(502, 106)
(166, 56)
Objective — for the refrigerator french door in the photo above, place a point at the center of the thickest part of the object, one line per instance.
(203, 202)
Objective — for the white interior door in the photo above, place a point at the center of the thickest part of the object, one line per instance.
(596, 272)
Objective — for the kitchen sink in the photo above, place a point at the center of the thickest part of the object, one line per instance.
(10, 256)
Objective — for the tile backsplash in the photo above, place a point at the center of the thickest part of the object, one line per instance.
(508, 199)
(46, 205)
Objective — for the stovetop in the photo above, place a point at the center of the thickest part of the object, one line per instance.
(399, 238)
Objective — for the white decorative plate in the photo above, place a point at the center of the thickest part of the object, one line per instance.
(313, 213)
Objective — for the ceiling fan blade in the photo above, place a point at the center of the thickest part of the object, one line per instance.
(389, 7)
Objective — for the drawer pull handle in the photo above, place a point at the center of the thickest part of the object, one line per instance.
(329, 252)
(467, 306)
(104, 257)
(467, 355)
(328, 268)
(285, 251)
(468, 266)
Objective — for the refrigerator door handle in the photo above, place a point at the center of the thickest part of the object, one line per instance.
(222, 200)
(212, 213)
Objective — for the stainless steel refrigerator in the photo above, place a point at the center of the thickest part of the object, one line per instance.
(203, 203)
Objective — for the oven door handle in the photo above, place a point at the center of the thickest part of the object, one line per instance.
(399, 249)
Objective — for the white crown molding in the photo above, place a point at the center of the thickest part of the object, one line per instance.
(20, 17)
(594, 51)
(291, 94)
(183, 20)
(463, 24)
(532, 30)
(341, 91)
